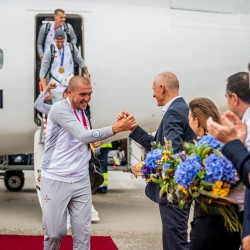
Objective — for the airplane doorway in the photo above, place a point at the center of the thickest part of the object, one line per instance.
(77, 23)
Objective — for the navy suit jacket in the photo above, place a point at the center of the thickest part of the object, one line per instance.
(174, 126)
(240, 157)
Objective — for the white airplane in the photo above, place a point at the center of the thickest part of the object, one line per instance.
(125, 44)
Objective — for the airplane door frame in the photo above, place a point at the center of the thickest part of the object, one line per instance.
(77, 23)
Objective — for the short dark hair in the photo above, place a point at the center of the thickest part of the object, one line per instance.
(65, 91)
(239, 85)
(58, 10)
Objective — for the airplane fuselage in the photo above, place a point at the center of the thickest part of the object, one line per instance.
(125, 46)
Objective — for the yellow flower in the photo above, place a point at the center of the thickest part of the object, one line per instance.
(164, 157)
(184, 190)
(141, 164)
(224, 191)
(218, 183)
(219, 190)
(215, 191)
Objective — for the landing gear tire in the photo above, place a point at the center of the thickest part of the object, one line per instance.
(14, 180)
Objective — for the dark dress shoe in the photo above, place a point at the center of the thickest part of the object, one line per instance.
(102, 190)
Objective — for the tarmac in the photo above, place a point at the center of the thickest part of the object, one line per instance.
(126, 214)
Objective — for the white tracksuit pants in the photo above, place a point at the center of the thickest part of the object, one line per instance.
(56, 197)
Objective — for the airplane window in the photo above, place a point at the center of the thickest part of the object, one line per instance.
(1, 58)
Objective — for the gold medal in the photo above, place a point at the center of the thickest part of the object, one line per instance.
(61, 70)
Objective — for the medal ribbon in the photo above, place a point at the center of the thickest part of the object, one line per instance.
(62, 57)
(84, 122)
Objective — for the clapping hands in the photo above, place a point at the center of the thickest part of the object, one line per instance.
(246, 243)
(231, 128)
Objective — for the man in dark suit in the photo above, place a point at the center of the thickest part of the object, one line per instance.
(233, 134)
(238, 100)
(174, 126)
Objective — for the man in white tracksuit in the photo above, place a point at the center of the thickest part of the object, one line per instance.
(65, 182)
(58, 62)
(47, 32)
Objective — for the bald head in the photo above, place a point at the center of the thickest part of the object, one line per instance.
(168, 80)
(165, 87)
(76, 81)
(79, 92)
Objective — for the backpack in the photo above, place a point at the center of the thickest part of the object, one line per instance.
(52, 57)
(47, 28)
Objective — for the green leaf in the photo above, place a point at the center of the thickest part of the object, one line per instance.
(201, 174)
(217, 152)
(154, 179)
(204, 207)
(205, 152)
(162, 190)
(206, 184)
(154, 145)
(182, 203)
(168, 170)
(195, 194)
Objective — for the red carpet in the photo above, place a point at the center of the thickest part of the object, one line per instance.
(28, 242)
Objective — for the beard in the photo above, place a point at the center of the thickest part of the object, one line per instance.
(82, 105)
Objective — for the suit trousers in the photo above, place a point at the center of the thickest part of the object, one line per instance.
(174, 226)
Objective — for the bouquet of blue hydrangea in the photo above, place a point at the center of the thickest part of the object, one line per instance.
(159, 167)
(199, 173)
(208, 177)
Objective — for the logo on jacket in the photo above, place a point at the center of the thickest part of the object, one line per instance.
(96, 133)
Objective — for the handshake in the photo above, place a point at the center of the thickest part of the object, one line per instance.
(125, 122)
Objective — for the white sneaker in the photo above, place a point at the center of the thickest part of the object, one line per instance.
(94, 215)
(68, 220)
(68, 226)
